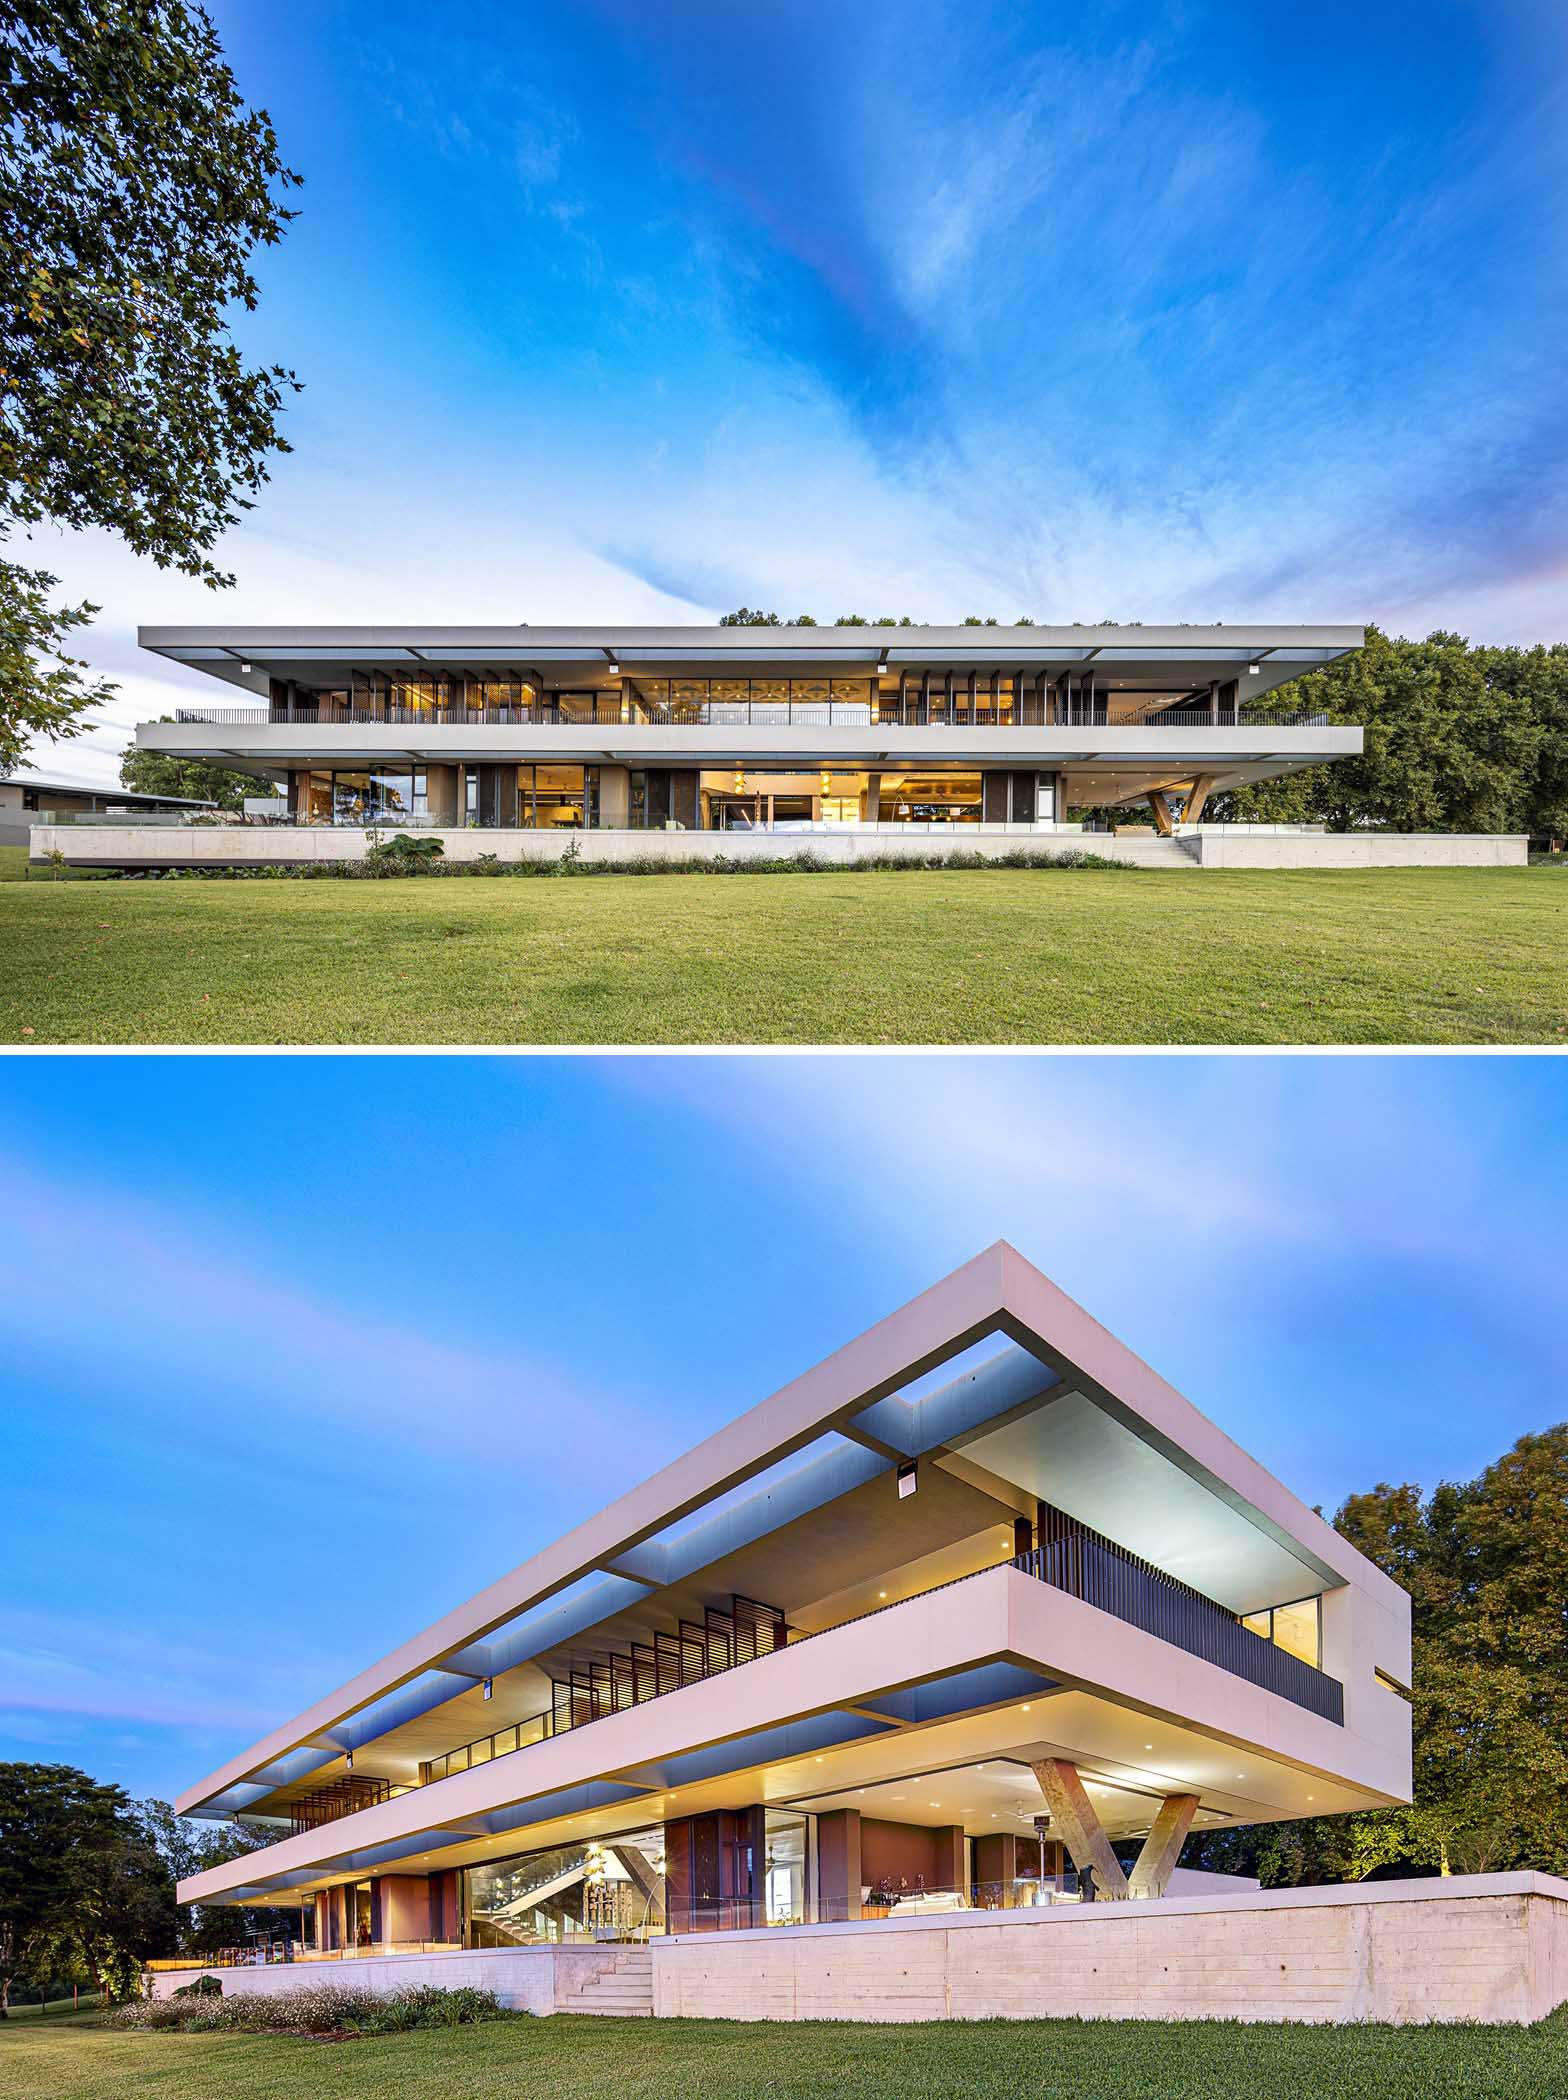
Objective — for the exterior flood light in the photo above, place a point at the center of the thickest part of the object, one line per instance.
(908, 1479)
(1252, 670)
(245, 670)
(348, 1761)
(489, 1687)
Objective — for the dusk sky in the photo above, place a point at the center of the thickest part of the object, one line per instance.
(1163, 312)
(300, 1352)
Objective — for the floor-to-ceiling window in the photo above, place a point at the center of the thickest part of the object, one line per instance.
(380, 795)
(552, 798)
(373, 795)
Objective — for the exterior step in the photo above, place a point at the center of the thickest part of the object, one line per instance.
(624, 1990)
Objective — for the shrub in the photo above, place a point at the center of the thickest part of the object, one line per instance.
(386, 858)
(403, 855)
(312, 2008)
(203, 1987)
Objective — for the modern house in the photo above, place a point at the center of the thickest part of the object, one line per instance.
(28, 799)
(978, 1615)
(744, 728)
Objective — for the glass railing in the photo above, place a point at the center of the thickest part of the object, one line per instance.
(890, 713)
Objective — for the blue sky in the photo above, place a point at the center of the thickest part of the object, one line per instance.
(1187, 311)
(299, 1352)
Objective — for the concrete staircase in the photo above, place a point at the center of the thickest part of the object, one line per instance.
(622, 1988)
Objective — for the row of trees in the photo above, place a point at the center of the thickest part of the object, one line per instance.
(1458, 737)
(1486, 1565)
(87, 1883)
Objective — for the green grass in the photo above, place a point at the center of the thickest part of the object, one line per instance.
(14, 868)
(1000, 956)
(596, 2059)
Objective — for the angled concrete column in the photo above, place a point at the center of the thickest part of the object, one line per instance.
(1073, 1814)
(1162, 813)
(1202, 788)
(1151, 1870)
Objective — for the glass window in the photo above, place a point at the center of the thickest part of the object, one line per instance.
(942, 798)
(613, 1887)
(387, 795)
(550, 798)
(1296, 1629)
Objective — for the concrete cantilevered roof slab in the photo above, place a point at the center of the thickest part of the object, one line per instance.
(854, 1391)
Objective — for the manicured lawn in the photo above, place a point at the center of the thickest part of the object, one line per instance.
(594, 2059)
(14, 868)
(1004, 956)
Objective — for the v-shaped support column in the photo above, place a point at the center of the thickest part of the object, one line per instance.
(1073, 1814)
(1152, 1868)
(1164, 823)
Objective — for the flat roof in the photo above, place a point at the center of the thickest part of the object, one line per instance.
(1179, 656)
(88, 787)
(867, 1391)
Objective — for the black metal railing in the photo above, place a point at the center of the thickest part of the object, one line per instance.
(1087, 1565)
(609, 1684)
(612, 712)
(341, 1797)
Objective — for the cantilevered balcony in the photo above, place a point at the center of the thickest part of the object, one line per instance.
(1070, 1556)
(1073, 1558)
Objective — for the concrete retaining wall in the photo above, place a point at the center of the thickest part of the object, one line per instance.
(218, 845)
(531, 1979)
(1487, 1947)
(277, 845)
(1234, 848)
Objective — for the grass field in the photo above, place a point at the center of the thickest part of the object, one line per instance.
(598, 2059)
(1000, 956)
(14, 868)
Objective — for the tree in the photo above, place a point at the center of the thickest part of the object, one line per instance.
(135, 185)
(82, 1889)
(188, 1846)
(1486, 1565)
(159, 773)
(1455, 739)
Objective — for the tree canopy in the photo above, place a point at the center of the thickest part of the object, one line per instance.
(1486, 1565)
(135, 187)
(1457, 738)
(84, 1893)
(160, 773)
